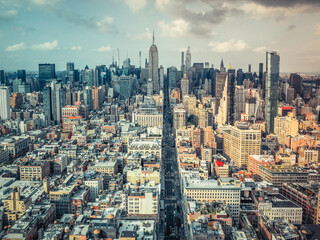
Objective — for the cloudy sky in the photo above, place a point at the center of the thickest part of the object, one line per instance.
(90, 31)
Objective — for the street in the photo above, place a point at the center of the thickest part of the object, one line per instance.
(172, 215)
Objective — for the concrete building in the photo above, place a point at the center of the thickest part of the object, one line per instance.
(37, 170)
(179, 117)
(277, 175)
(16, 146)
(143, 203)
(285, 127)
(226, 190)
(240, 142)
(15, 206)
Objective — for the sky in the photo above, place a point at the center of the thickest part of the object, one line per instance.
(88, 32)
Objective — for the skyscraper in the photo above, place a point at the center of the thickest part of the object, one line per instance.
(89, 77)
(172, 74)
(125, 86)
(188, 60)
(21, 74)
(70, 67)
(184, 86)
(296, 82)
(260, 71)
(47, 72)
(4, 103)
(47, 108)
(272, 83)
(222, 68)
(2, 79)
(182, 64)
(57, 100)
(161, 76)
(153, 67)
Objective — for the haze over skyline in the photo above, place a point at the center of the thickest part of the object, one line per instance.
(89, 32)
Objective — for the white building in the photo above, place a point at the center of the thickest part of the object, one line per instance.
(95, 183)
(4, 103)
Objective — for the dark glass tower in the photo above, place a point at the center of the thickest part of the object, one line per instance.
(21, 74)
(272, 83)
(47, 72)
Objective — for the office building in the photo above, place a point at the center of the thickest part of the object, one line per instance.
(31, 171)
(21, 74)
(153, 68)
(70, 67)
(240, 142)
(172, 74)
(47, 106)
(89, 77)
(179, 117)
(296, 82)
(260, 71)
(277, 175)
(125, 87)
(226, 110)
(57, 100)
(272, 83)
(4, 103)
(284, 127)
(2, 77)
(184, 86)
(47, 72)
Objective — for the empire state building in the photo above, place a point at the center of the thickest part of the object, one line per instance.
(153, 67)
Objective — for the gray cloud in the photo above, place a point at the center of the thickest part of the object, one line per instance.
(201, 21)
(286, 3)
(6, 15)
(291, 27)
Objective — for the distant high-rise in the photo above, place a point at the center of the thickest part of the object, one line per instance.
(182, 64)
(4, 103)
(97, 77)
(222, 68)
(161, 76)
(2, 80)
(185, 86)
(272, 83)
(226, 110)
(188, 60)
(70, 67)
(57, 100)
(87, 97)
(47, 108)
(89, 77)
(260, 71)
(125, 86)
(47, 72)
(249, 68)
(21, 74)
(296, 82)
(153, 67)
(172, 74)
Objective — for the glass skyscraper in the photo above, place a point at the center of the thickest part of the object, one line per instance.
(272, 83)
(47, 72)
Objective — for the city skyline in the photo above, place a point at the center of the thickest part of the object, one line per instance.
(90, 33)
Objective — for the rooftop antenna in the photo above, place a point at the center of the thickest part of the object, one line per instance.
(153, 37)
